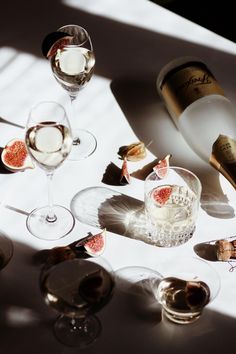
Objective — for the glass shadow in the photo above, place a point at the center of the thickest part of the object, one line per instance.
(106, 208)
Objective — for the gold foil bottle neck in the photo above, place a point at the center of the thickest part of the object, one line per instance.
(185, 83)
(223, 157)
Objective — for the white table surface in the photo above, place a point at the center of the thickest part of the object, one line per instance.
(132, 41)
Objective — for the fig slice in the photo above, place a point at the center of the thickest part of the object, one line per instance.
(15, 156)
(93, 245)
(125, 176)
(54, 41)
(162, 194)
(161, 168)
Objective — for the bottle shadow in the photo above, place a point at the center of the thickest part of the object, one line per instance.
(206, 251)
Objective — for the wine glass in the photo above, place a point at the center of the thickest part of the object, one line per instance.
(48, 139)
(77, 288)
(72, 62)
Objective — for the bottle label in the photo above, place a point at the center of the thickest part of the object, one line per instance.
(223, 157)
(186, 84)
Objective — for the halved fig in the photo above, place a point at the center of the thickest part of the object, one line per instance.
(93, 245)
(15, 156)
(161, 168)
(125, 176)
(162, 194)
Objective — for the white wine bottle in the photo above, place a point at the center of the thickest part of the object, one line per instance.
(202, 113)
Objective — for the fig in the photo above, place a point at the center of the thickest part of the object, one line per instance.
(54, 41)
(93, 245)
(15, 156)
(161, 168)
(125, 176)
(162, 194)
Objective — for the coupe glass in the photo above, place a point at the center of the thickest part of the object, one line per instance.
(139, 286)
(77, 288)
(72, 64)
(188, 285)
(48, 139)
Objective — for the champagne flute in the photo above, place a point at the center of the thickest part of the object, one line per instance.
(72, 62)
(48, 139)
(77, 288)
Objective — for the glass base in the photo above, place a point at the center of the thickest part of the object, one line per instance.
(169, 237)
(181, 318)
(38, 225)
(77, 332)
(84, 144)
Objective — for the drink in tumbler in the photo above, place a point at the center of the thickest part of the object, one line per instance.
(171, 205)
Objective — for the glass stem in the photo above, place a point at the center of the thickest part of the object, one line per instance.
(76, 140)
(51, 217)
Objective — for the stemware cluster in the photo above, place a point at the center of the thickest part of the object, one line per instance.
(49, 137)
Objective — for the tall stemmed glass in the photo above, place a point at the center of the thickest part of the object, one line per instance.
(77, 288)
(72, 61)
(48, 139)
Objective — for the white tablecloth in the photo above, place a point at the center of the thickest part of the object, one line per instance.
(132, 41)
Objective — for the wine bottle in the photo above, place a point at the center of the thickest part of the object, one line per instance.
(201, 112)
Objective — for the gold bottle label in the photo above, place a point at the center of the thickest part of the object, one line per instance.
(223, 157)
(187, 83)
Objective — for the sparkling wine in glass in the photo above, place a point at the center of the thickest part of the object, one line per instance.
(48, 139)
(72, 61)
(77, 288)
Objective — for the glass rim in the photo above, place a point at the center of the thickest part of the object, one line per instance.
(128, 275)
(191, 260)
(71, 25)
(134, 268)
(175, 168)
(41, 123)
